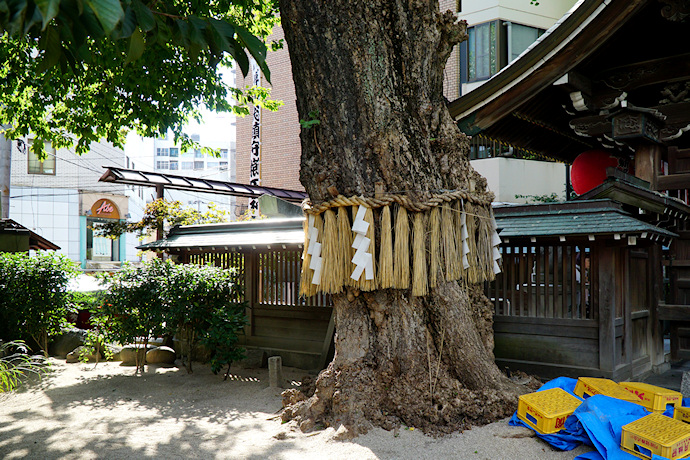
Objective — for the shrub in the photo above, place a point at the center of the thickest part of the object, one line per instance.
(16, 363)
(135, 304)
(199, 296)
(160, 297)
(33, 295)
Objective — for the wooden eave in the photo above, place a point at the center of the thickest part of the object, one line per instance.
(36, 241)
(562, 48)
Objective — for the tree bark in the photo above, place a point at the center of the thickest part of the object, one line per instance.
(371, 72)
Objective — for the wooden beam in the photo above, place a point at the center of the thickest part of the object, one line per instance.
(638, 74)
(674, 312)
(673, 182)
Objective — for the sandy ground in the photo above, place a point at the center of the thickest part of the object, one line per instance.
(82, 411)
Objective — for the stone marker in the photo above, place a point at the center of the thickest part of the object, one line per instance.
(275, 371)
(685, 385)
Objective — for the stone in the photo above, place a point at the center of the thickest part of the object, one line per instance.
(73, 356)
(115, 352)
(128, 353)
(161, 355)
(275, 371)
(66, 342)
(255, 359)
(685, 384)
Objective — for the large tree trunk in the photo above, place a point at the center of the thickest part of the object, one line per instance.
(371, 71)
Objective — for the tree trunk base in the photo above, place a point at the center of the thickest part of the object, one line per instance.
(400, 360)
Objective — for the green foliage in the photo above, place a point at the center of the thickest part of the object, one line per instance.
(196, 294)
(134, 304)
(33, 295)
(79, 71)
(161, 298)
(16, 363)
(312, 121)
(222, 337)
(162, 214)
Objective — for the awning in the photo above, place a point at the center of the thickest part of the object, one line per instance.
(264, 233)
(196, 184)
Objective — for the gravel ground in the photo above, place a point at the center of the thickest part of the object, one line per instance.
(104, 411)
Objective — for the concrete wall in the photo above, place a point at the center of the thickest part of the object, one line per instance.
(508, 177)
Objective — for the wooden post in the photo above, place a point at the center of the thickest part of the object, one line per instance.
(655, 335)
(647, 159)
(251, 278)
(607, 309)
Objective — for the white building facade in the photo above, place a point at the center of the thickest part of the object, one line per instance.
(61, 199)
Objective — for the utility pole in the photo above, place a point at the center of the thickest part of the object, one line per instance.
(5, 173)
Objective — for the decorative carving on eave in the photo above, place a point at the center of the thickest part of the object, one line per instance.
(624, 79)
(588, 127)
(675, 10)
(676, 92)
(669, 133)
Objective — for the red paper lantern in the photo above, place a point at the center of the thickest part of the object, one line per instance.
(589, 170)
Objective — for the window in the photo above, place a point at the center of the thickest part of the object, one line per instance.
(173, 165)
(223, 153)
(481, 51)
(198, 165)
(161, 152)
(162, 164)
(174, 151)
(223, 165)
(187, 165)
(212, 165)
(521, 37)
(187, 154)
(195, 138)
(198, 153)
(47, 166)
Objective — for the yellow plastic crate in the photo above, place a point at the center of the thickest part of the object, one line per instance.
(652, 397)
(546, 411)
(590, 386)
(656, 434)
(682, 414)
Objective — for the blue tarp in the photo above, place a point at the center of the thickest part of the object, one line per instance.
(597, 422)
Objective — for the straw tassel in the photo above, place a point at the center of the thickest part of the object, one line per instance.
(419, 278)
(345, 251)
(450, 251)
(386, 279)
(368, 281)
(331, 277)
(402, 249)
(305, 284)
(434, 247)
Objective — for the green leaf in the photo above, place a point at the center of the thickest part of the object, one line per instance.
(129, 23)
(50, 44)
(144, 16)
(108, 12)
(49, 9)
(136, 46)
(256, 48)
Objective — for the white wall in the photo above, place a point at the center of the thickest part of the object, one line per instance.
(508, 177)
(542, 16)
(51, 213)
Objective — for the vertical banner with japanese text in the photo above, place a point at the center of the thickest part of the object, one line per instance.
(255, 154)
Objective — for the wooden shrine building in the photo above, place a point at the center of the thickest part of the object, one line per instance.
(613, 76)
